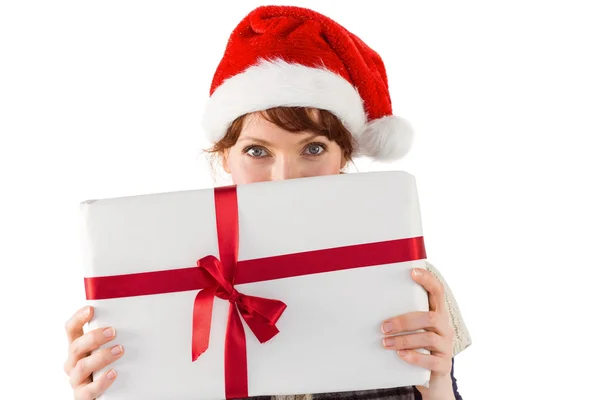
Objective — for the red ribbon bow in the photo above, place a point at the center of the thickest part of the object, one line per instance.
(260, 314)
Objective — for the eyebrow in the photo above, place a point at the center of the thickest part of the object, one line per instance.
(266, 143)
(253, 139)
(309, 139)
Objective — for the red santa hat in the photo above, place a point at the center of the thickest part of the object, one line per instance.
(292, 56)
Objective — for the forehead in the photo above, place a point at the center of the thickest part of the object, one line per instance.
(257, 126)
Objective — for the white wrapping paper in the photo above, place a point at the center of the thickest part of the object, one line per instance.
(330, 338)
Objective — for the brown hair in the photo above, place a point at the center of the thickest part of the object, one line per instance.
(295, 119)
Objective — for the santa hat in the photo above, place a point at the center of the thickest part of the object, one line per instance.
(292, 56)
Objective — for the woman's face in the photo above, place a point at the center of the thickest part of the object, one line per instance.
(266, 152)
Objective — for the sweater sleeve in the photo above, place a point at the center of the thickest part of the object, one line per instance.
(462, 337)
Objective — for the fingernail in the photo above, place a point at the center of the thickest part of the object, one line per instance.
(118, 349)
(111, 374)
(389, 342)
(387, 327)
(85, 312)
(418, 271)
(109, 332)
(402, 353)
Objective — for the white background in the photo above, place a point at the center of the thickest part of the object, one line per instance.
(102, 99)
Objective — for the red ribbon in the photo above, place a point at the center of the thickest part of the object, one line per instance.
(259, 313)
(217, 277)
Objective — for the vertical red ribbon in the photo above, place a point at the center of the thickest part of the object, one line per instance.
(236, 363)
(260, 314)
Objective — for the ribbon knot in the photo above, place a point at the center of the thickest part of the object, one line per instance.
(213, 270)
(260, 314)
(233, 296)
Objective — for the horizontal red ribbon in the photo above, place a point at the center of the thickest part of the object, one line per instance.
(259, 270)
(216, 277)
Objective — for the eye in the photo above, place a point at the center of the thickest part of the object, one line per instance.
(256, 152)
(315, 149)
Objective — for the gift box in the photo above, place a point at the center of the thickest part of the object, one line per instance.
(271, 288)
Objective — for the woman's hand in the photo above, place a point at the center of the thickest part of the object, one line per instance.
(80, 364)
(437, 338)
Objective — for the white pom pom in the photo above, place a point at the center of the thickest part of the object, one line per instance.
(386, 139)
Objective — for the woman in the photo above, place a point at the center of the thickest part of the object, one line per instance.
(296, 95)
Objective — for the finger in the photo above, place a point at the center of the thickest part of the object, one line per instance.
(414, 321)
(433, 286)
(426, 340)
(87, 343)
(86, 366)
(96, 388)
(74, 325)
(434, 363)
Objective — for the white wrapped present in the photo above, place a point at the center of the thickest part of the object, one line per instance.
(303, 271)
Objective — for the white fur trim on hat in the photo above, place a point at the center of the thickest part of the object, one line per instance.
(277, 83)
